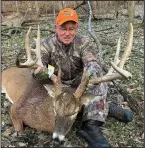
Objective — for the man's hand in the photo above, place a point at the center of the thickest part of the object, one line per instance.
(40, 73)
(36, 71)
(93, 69)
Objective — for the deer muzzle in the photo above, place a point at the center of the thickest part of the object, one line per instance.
(58, 140)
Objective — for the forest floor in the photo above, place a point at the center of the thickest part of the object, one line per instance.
(117, 133)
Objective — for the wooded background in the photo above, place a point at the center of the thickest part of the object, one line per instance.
(40, 8)
(110, 20)
(21, 13)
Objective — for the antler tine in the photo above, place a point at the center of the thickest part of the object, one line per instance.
(105, 78)
(57, 80)
(38, 54)
(27, 44)
(121, 71)
(59, 74)
(127, 51)
(57, 84)
(29, 62)
(116, 58)
(81, 88)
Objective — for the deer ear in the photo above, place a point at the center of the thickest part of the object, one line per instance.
(50, 90)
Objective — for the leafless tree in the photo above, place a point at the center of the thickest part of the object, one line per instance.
(17, 6)
(37, 8)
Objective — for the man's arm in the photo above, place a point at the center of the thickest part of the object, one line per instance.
(90, 62)
(90, 59)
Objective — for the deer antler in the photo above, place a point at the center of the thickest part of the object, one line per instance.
(29, 62)
(81, 88)
(121, 73)
(38, 62)
(57, 82)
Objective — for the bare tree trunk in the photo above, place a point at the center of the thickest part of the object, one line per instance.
(63, 4)
(124, 3)
(17, 7)
(59, 5)
(54, 10)
(143, 22)
(29, 6)
(116, 9)
(74, 4)
(131, 11)
(93, 5)
(46, 8)
(3, 6)
(37, 9)
(13, 8)
(98, 6)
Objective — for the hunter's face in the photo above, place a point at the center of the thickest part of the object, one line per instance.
(66, 32)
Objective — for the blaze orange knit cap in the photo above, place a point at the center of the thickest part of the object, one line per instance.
(67, 14)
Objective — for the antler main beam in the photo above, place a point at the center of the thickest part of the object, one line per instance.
(121, 73)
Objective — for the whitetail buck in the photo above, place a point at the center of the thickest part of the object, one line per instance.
(51, 107)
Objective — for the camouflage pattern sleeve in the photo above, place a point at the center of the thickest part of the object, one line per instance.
(45, 53)
(90, 60)
(88, 51)
(93, 68)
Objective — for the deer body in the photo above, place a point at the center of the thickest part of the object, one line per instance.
(17, 78)
(32, 105)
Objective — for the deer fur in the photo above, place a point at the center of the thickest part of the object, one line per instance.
(34, 103)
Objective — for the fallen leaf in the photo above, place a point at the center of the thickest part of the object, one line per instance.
(7, 132)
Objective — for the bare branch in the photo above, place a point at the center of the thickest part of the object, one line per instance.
(83, 3)
(94, 36)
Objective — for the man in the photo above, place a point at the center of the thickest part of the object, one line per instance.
(74, 52)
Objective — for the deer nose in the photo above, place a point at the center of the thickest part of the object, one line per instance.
(57, 142)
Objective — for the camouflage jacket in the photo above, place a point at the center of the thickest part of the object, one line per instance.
(72, 58)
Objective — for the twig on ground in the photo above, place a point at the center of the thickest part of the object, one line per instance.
(83, 3)
(104, 29)
(7, 35)
(26, 28)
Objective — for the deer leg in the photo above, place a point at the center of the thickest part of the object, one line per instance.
(17, 122)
